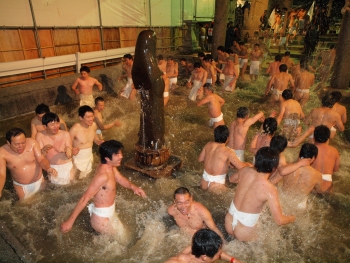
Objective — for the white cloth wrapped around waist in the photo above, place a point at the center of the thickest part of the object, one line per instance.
(291, 122)
(83, 160)
(87, 100)
(227, 82)
(242, 62)
(166, 94)
(254, 67)
(220, 179)
(127, 89)
(195, 87)
(245, 219)
(217, 119)
(30, 189)
(240, 154)
(63, 173)
(210, 81)
(303, 90)
(327, 177)
(107, 212)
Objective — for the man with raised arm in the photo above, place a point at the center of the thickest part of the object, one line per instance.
(99, 107)
(23, 157)
(217, 158)
(103, 189)
(83, 135)
(85, 83)
(36, 124)
(239, 129)
(214, 102)
(206, 247)
(56, 146)
(190, 215)
(252, 192)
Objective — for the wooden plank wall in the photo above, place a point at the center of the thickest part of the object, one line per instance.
(20, 44)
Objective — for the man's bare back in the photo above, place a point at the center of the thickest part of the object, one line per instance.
(303, 81)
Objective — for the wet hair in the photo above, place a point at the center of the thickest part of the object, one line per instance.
(327, 101)
(98, 99)
(181, 191)
(270, 125)
(242, 112)
(183, 59)
(206, 242)
(13, 133)
(208, 58)
(160, 57)
(50, 117)
(208, 86)
(197, 65)
(170, 58)
(283, 68)
(201, 54)
(266, 159)
(84, 68)
(84, 109)
(128, 56)
(42, 108)
(279, 143)
(221, 133)
(278, 58)
(257, 45)
(287, 94)
(322, 133)
(336, 96)
(108, 148)
(308, 150)
(287, 53)
(221, 48)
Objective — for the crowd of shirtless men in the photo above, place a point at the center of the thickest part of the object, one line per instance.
(65, 155)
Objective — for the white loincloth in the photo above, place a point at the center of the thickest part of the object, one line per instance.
(166, 94)
(282, 41)
(63, 173)
(127, 89)
(291, 122)
(83, 161)
(217, 119)
(327, 177)
(242, 61)
(30, 189)
(173, 80)
(303, 90)
(277, 93)
(87, 100)
(245, 219)
(226, 85)
(107, 212)
(210, 81)
(220, 179)
(254, 67)
(195, 87)
(239, 154)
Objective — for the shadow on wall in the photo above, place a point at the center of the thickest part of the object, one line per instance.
(107, 84)
(62, 96)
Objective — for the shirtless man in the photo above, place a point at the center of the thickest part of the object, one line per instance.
(280, 82)
(161, 63)
(207, 65)
(83, 135)
(296, 69)
(99, 107)
(283, 40)
(222, 60)
(56, 146)
(86, 84)
(255, 57)
(325, 116)
(129, 90)
(278, 143)
(172, 71)
(299, 183)
(276, 26)
(263, 138)
(229, 72)
(301, 14)
(291, 113)
(239, 129)
(287, 60)
(324, 70)
(23, 158)
(206, 247)
(187, 66)
(197, 81)
(328, 159)
(273, 67)
(252, 192)
(217, 158)
(215, 102)
(103, 189)
(37, 126)
(243, 55)
(337, 96)
(303, 81)
(190, 215)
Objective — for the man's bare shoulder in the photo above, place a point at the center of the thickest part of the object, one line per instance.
(172, 209)
(35, 121)
(199, 207)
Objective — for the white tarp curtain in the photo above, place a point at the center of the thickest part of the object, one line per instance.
(74, 13)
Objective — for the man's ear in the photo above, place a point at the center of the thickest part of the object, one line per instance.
(203, 257)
